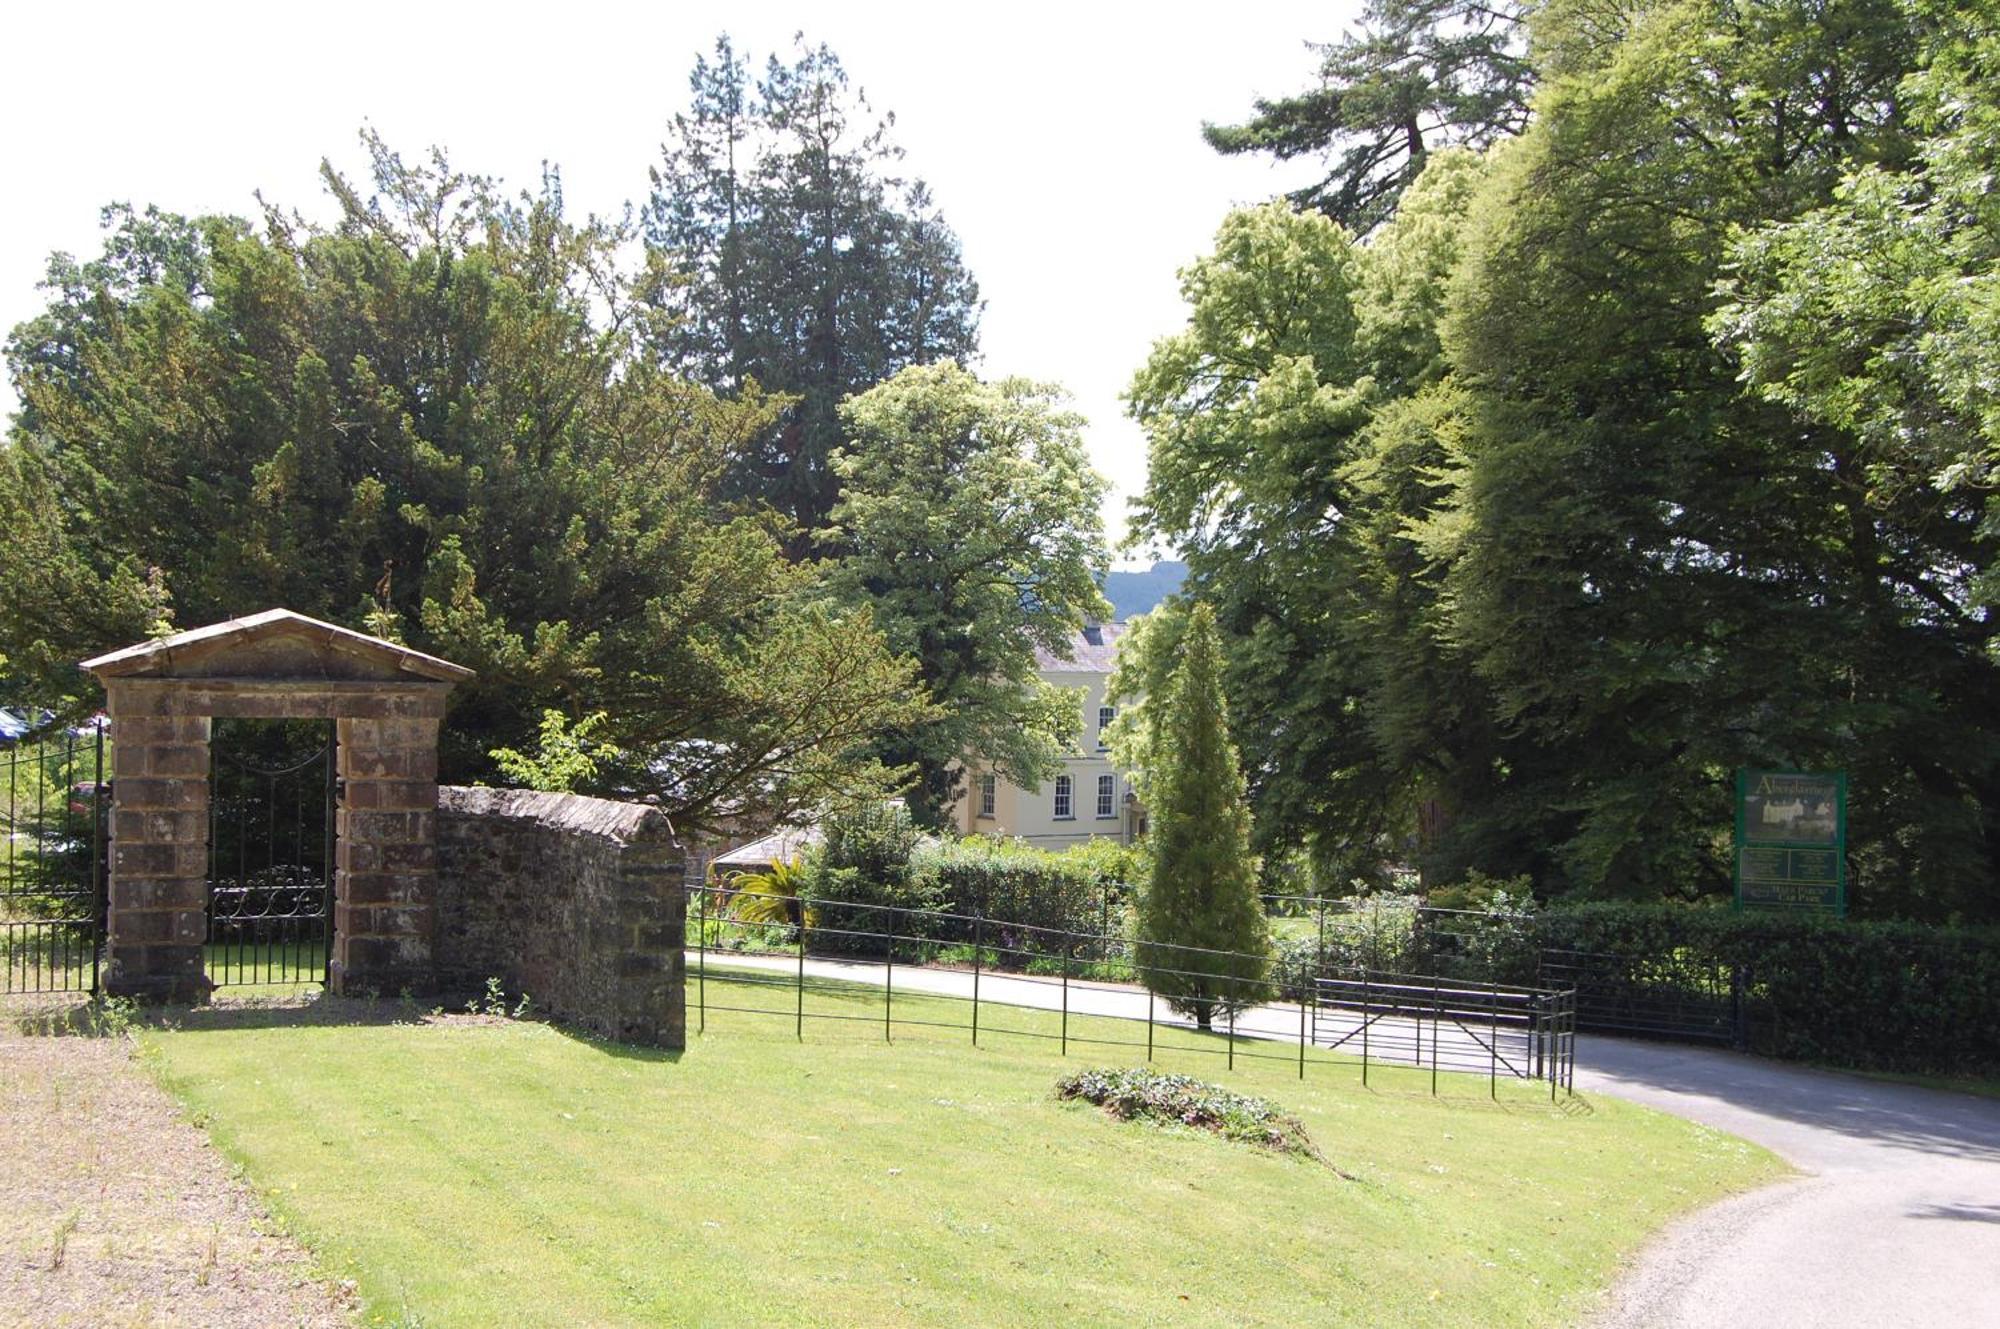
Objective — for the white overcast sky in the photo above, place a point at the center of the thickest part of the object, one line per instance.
(1061, 141)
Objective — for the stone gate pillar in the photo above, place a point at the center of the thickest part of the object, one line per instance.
(386, 701)
(385, 857)
(159, 850)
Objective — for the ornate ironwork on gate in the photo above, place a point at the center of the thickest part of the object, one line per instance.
(53, 801)
(270, 845)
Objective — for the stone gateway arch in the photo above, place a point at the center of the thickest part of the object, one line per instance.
(386, 701)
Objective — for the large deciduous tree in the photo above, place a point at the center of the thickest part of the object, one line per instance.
(1293, 439)
(969, 517)
(1647, 447)
(804, 264)
(1661, 575)
(445, 417)
(1203, 939)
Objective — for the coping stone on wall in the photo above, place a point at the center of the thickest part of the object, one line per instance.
(627, 823)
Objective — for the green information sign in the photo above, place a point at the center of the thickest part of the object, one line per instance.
(1791, 841)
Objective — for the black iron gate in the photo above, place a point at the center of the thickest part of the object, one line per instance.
(1674, 999)
(54, 797)
(270, 838)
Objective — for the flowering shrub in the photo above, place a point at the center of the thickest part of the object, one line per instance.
(1142, 1095)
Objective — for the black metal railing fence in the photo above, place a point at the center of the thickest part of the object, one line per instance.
(833, 947)
(54, 783)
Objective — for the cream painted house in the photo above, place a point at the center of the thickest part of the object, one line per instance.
(1090, 799)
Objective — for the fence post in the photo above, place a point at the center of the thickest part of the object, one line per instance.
(1366, 1020)
(978, 944)
(1537, 1014)
(1437, 1009)
(1569, 1060)
(701, 956)
(1302, 1035)
(802, 970)
(889, 982)
(1149, 1024)
(1493, 1041)
(1232, 1038)
(97, 911)
(1069, 942)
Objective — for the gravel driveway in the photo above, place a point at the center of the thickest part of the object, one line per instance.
(119, 1212)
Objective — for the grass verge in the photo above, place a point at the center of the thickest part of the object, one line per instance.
(1979, 1086)
(477, 1172)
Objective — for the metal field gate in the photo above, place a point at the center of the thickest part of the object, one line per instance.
(1665, 997)
(270, 852)
(54, 797)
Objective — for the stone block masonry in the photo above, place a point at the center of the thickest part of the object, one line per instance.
(579, 902)
(385, 856)
(159, 857)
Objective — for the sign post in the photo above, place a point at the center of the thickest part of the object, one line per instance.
(1791, 841)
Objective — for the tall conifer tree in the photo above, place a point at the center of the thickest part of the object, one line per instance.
(1203, 939)
(804, 262)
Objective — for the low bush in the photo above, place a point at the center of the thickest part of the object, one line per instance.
(865, 864)
(1150, 1096)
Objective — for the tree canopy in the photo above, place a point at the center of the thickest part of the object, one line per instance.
(446, 416)
(970, 519)
(1417, 76)
(1645, 445)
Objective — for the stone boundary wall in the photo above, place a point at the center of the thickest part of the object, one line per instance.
(579, 902)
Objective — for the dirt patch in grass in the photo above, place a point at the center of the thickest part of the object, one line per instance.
(119, 1212)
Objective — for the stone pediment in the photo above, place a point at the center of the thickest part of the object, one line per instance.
(276, 645)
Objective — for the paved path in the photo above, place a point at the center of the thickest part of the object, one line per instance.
(1896, 1222)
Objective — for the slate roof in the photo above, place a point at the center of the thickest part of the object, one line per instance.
(781, 847)
(1092, 651)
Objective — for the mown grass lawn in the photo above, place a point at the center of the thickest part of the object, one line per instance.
(475, 1173)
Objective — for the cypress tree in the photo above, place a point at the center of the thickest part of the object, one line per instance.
(1204, 943)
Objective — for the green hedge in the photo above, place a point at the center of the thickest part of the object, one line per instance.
(1078, 890)
(878, 860)
(1866, 995)
(1869, 995)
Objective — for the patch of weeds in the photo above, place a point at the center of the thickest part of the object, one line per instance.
(493, 1002)
(111, 1017)
(59, 1247)
(1139, 1094)
(405, 1317)
(101, 1017)
(208, 1260)
(963, 955)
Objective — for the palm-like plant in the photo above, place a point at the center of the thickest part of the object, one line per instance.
(773, 896)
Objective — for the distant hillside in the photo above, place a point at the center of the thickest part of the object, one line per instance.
(1135, 592)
